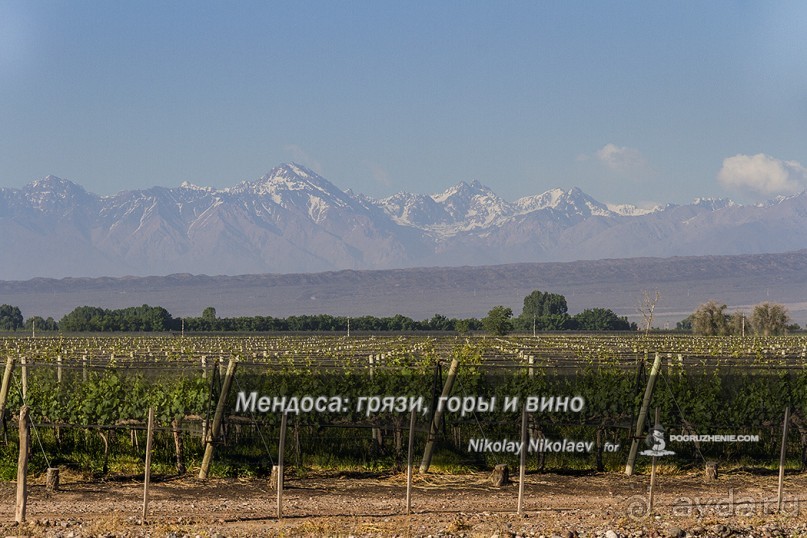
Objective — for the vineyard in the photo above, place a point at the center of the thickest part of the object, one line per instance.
(106, 385)
(347, 402)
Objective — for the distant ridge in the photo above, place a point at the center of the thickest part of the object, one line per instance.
(739, 281)
(293, 220)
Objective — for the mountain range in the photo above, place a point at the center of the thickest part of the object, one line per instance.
(293, 220)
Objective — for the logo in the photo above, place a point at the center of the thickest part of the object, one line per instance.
(655, 440)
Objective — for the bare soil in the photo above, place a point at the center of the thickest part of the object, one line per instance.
(605, 505)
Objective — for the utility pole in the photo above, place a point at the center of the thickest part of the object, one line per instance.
(533, 325)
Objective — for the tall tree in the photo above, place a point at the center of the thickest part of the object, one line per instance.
(544, 311)
(647, 308)
(10, 318)
(41, 324)
(710, 320)
(769, 319)
(498, 320)
(539, 304)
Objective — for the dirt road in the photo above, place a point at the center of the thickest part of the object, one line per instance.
(606, 505)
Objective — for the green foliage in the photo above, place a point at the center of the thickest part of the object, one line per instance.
(601, 319)
(41, 324)
(328, 323)
(685, 324)
(140, 318)
(209, 314)
(545, 311)
(711, 385)
(10, 318)
(539, 304)
(498, 320)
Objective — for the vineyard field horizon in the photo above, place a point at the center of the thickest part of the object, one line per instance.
(578, 396)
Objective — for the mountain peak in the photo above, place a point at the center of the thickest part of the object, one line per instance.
(713, 204)
(294, 220)
(464, 190)
(293, 169)
(187, 185)
(294, 185)
(294, 176)
(54, 186)
(51, 181)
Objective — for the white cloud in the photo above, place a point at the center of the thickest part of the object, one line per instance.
(300, 156)
(378, 172)
(763, 174)
(621, 159)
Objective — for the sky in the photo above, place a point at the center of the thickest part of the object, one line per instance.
(633, 102)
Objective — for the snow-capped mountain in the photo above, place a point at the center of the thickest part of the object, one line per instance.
(294, 220)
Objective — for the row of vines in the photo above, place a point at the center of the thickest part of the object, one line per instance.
(90, 396)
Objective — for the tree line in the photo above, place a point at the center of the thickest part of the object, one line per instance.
(711, 319)
(542, 311)
(546, 311)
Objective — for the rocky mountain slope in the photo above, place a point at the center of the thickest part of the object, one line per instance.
(293, 220)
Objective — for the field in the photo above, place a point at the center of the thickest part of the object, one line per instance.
(346, 436)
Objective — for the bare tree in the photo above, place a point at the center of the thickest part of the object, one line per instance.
(710, 319)
(647, 308)
(769, 319)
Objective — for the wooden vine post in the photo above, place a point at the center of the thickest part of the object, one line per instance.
(52, 480)
(438, 414)
(5, 386)
(179, 448)
(215, 428)
(409, 456)
(22, 464)
(648, 393)
(651, 490)
(147, 472)
(24, 377)
(281, 451)
(522, 465)
(782, 456)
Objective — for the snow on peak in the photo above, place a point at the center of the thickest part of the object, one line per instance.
(292, 185)
(472, 205)
(464, 190)
(292, 176)
(50, 182)
(713, 204)
(52, 186)
(630, 210)
(54, 193)
(550, 198)
(414, 210)
(573, 201)
(187, 185)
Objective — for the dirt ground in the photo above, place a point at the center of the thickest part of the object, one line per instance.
(605, 505)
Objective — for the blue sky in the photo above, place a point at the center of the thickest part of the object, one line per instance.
(633, 102)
